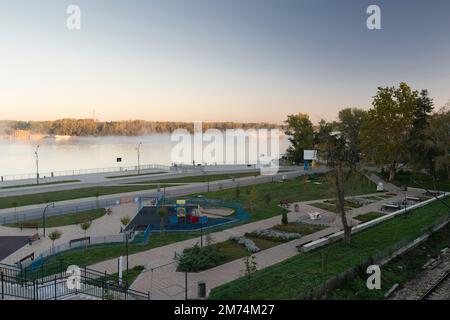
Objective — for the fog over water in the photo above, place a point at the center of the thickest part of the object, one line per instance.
(78, 153)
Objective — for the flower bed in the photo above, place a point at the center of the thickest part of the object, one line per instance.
(275, 235)
(247, 243)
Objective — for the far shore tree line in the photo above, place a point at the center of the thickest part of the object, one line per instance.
(401, 131)
(91, 127)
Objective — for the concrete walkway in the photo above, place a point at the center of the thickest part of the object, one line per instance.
(387, 185)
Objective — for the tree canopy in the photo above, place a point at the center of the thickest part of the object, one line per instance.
(301, 136)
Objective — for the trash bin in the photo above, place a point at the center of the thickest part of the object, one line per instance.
(201, 289)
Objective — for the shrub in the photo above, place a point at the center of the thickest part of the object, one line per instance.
(284, 218)
(198, 259)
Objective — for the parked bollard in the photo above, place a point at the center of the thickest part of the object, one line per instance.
(201, 290)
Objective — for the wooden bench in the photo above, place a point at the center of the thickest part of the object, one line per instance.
(88, 239)
(387, 206)
(33, 238)
(81, 220)
(432, 193)
(30, 256)
(413, 198)
(28, 225)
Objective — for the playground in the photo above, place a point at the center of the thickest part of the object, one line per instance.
(185, 215)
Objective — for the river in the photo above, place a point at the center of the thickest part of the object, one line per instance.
(79, 153)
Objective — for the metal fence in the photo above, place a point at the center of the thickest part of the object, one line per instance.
(79, 172)
(88, 243)
(25, 215)
(50, 282)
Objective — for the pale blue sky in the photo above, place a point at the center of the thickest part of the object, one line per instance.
(211, 60)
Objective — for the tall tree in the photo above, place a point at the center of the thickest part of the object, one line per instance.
(301, 136)
(387, 129)
(349, 125)
(420, 155)
(437, 137)
(334, 149)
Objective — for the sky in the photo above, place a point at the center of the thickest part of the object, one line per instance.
(215, 60)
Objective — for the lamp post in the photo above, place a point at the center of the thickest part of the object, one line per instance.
(406, 199)
(36, 153)
(126, 246)
(43, 214)
(207, 177)
(138, 149)
(201, 234)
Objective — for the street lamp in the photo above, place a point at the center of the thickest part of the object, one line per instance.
(43, 214)
(201, 234)
(207, 176)
(138, 149)
(37, 164)
(126, 246)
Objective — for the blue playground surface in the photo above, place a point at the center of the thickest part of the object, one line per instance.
(184, 215)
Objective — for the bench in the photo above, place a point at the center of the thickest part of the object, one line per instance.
(82, 220)
(413, 199)
(88, 239)
(28, 225)
(33, 238)
(388, 206)
(432, 193)
(314, 215)
(30, 256)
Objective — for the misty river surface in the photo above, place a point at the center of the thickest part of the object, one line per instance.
(80, 153)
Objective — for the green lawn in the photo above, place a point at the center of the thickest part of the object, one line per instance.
(66, 219)
(369, 216)
(136, 175)
(297, 189)
(348, 203)
(420, 181)
(234, 250)
(205, 178)
(290, 279)
(40, 184)
(132, 274)
(45, 197)
(327, 206)
(375, 198)
(398, 270)
(92, 255)
(220, 253)
(298, 227)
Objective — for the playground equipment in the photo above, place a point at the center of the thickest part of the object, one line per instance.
(187, 217)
